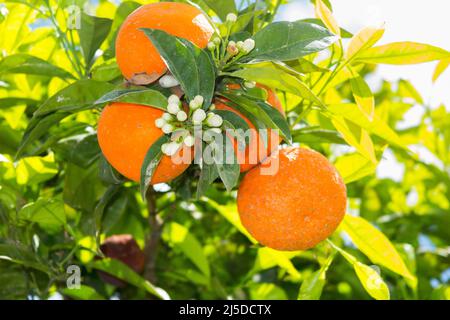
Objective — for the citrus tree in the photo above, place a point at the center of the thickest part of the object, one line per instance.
(113, 182)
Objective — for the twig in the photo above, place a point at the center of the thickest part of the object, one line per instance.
(153, 240)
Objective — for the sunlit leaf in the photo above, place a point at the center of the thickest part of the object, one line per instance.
(375, 245)
(363, 40)
(82, 293)
(312, 286)
(440, 68)
(325, 14)
(363, 95)
(403, 53)
(353, 167)
(290, 40)
(47, 213)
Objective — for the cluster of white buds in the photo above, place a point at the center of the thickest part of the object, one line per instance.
(179, 123)
(246, 46)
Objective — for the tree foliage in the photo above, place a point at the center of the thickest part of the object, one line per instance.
(59, 198)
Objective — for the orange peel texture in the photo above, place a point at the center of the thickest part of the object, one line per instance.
(138, 59)
(296, 208)
(126, 132)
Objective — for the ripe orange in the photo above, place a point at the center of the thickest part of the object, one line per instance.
(126, 132)
(256, 147)
(296, 208)
(137, 58)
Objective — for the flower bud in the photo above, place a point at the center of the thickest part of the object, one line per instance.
(194, 105)
(249, 84)
(167, 116)
(211, 46)
(173, 99)
(189, 141)
(199, 100)
(160, 122)
(173, 108)
(232, 48)
(212, 107)
(198, 116)
(249, 45)
(168, 81)
(168, 128)
(240, 45)
(231, 17)
(217, 41)
(164, 148)
(171, 148)
(214, 120)
(182, 116)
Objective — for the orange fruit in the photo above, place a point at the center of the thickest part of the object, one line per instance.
(256, 151)
(126, 132)
(297, 206)
(137, 57)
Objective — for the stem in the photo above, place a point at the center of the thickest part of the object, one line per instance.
(153, 240)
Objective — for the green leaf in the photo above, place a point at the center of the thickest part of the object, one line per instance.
(75, 97)
(363, 95)
(206, 70)
(47, 213)
(82, 150)
(277, 78)
(312, 286)
(27, 64)
(290, 40)
(271, 117)
(268, 258)
(235, 120)
(35, 170)
(401, 53)
(191, 66)
(38, 127)
(222, 7)
(266, 291)
(303, 65)
(369, 278)
(226, 162)
(107, 71)
(125, 273)
(151, 161)
(179, 237)
(92, 33)
(375, 245)
(316, 135)
(107, 173)
(138, 95)
(354, 167)
(82, 188)
(353, 114)
(207, 176)
(82, 293)
(23, 255)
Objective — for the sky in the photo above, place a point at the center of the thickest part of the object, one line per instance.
(406, 20)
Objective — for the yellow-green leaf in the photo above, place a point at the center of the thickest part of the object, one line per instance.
(355, 136)
(362, 94)
(325, 14)
(407, 90)
(371, 281)
(363, 40)
(375, 245)
(401, 53)
(269, 258)
(352, 113)
(440, 68)
(312, 286)
(354, 166)
(369, 278)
